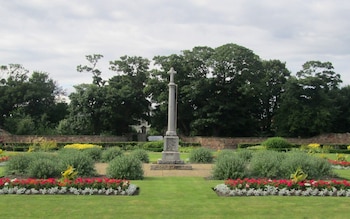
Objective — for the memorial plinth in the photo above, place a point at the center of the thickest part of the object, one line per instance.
(170, 155)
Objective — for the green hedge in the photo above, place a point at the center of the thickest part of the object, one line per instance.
(155, 146)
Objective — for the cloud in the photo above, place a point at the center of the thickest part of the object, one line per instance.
(54, 36)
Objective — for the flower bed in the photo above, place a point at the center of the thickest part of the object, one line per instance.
(339, 164)
(4, 158)
(265, 187)
(79, 186)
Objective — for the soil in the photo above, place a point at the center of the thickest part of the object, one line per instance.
(202, 170)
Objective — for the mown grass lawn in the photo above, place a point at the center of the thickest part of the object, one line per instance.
(174, 197)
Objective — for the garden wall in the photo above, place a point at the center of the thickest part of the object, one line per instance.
(232, 143)
(209, 142)
(64, 138)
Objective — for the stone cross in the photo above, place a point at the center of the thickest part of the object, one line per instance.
(170, 154)
(172, 104)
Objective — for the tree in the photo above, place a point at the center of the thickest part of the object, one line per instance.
(234, 104)
(341, 117)
(305, 109)
(192, 70)
(85, 110)
(126, 94)
(109, 106)
(217, 92)
(91, 68)
(29, 98)
(275, 75)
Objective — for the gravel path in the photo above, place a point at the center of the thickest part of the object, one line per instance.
(202, 170)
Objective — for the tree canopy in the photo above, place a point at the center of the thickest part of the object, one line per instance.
(224, 91)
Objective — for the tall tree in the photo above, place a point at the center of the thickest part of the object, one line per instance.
(112, 106)
(192, 70)
(234, 105)
(92, 68)
(341, 117)
(126, 94)
(31, 99)
(217, 92)
(306, 108)
(275, 75)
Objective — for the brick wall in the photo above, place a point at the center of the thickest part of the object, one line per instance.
(64, 138)
(232, 143)
(209, 142)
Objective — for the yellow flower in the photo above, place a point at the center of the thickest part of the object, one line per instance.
(314, 145)
(82, 146)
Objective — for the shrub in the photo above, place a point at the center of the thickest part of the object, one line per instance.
(141, 154)
(314, 167)
(155, 146)
(17, 164)
(276, 143)
(43, 168)
(341, 157)
(94, 153)
(266, 164)
(80, 161)
(111, 153)
(321, 168)
(326, 148)
(201, 155)
(229, 166)
(20, 163)
(256, 148)
(41, 144)
(125, 167)
(187, 149)
(245, 154)
(224, 153)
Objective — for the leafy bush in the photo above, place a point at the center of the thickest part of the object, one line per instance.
(155, 146)
(141, 154)
(266, 164)
(43, 168)
(21, 163)
(111, 153)
(201, 155)
(256, 148)
(277, 143)
(224, 153)
(187, 149)
(94, 153)
(245, 154)
(41, 144)
(125, 167)
(83, 163)
(18, 164)
(229, 166)
(314, 167)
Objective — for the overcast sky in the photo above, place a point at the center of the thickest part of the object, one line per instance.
(55, 35)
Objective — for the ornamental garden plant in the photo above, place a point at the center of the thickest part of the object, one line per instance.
(78, 186)
(283, 187)
(269, 172)
(68, 171)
